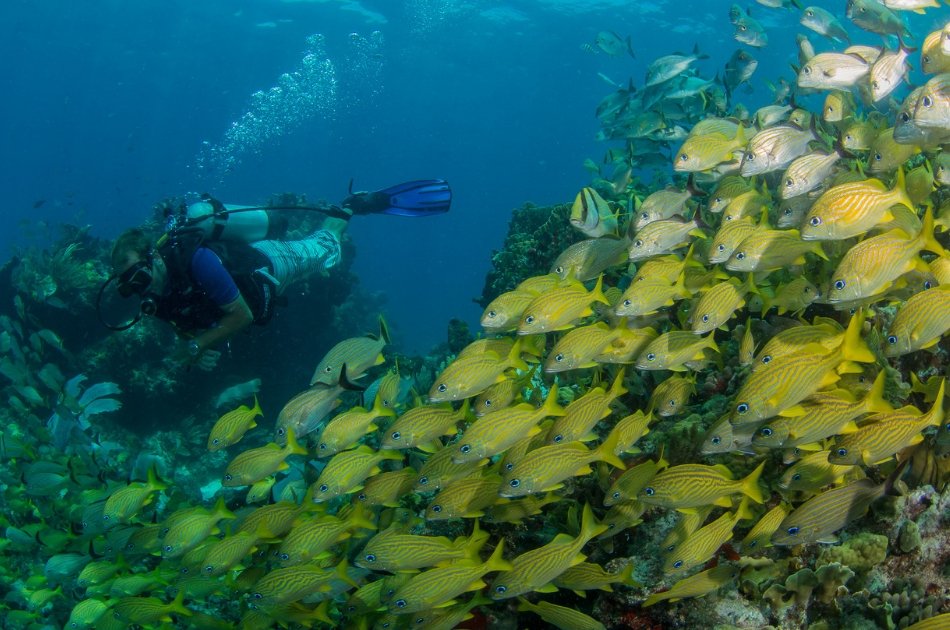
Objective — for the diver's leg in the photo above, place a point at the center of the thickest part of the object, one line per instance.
(295, 260)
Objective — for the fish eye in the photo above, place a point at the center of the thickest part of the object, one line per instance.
(442, 388)
(839, 284)
(436, 508)
(753, 543)
(559, 269)
(750, 156)
(742, 408)
(792, 530)
(420, 620)
(328, 369)
(529, 319)
(322, 446)
(716, 440)
(649, 491)
(215, 441)
(743, 28)
(765, 432)
(257, 596)
(492, 314)
(324, 487)
(672, 402)
(625, 303)
(423, 481)
(638, 243)
(705, 318)
(396, 435)
(721, 247)
(509, 466)
(281, 431)
(905, 117)
(684, 157)
(466, 448)
(558, 438)
(651, 357)
(370, 557)
(841, 452)
(797, 477)
(892, 339)
(878, 157)
(927, 284)
(501, 589)
(814, 221)
(677, 564)
(740, 255)
(400, 603)
(875, 84)
(767, 358)
(514, 483)
(616, 495)
(168, 548)
(789, 182)
(559, 357)
(361, 496)
(717, 200)
(670, 548)
(488, 403)
(226, 478)
(644, 216)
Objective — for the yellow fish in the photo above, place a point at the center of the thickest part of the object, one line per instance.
(310, 538)
(192, 529)
(707, 150)
(578, 347)
(504, 312)
(671, 396)
(885, 434)
(588, 259)
(793, 296)
(228, 552)
(827, 332)
(345, 430)
(667, 268)
(499, 395)
(464, 498)
(290, 584)
(544, 469)
(695, 485)
(535, 569)
(767, 250)
(871, 267)
(272, 520)
(583, 414)
(358, 354)
(440, 469)
(515, 512)
(346, 472)
(630, 429)
(649, 296)
(887, 154)
(628, 485)
(675, 350)
(146, 611)
(728, 237)
(588, 576)
(389, 386)
(86, 613)
(560, 308)
(231, 427)
(696, 585)
(496, 432)
(702, 544)
(439, 586)
(592, 215)
(661, 237)
(627, 346)
(260, 490)
(760, 536)
(471, 375)
(421, 427)
(719, 303)
(838, 106)
(392, 551)
(811, 472)
(386, 488)
(921, 322)
(257, 463)
(560, 616)
(747, 343)
(726, 190)
(126, 502)
(305, 412)
(854, 208)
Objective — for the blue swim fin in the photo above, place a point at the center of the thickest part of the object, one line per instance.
(418, 198)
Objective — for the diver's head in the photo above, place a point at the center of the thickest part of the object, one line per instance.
(134, 263)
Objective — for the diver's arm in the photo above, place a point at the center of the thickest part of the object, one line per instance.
(237, 317)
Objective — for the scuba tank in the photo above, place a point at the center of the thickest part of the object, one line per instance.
(246, 224)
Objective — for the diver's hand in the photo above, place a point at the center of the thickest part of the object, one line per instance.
(208, 360)
(184, 356)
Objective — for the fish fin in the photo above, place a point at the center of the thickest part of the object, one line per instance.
(813, 446)
(590, 527)
(724, 470)
(830, 539)
(547, 588)
(495, 562)
(723, 501)
(850, 427)
(597, 293)
(853, 347)
(606, 451)
(750, 485)
(793, 411)
(431, 447)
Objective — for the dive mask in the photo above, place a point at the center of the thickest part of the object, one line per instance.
(136, 279)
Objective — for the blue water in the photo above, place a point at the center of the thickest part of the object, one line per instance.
(108, 106)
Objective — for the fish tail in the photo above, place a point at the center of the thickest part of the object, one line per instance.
(380, 409)
(606, 452)
(617, 389)
(154, 481)
(597, 293)
(853, 347)
(463, 411)
(360, 518)
(711, 343)
(551, 406)
(514, 356)
(750, 485)
(926, 236)
(177, 605)
(626, 576)
(384, 329)
(900, 187)
(936, 412)
(743, 513)
(293, 446)
(874, 401)
(473, 543)
(391, 454)
(256, 411)
(495, 562)
(590, 526)
(221, 510)
(818, 250)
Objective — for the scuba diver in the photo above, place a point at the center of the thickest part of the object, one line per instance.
(219, 268)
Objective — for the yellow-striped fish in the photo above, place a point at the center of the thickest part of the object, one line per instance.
(421, 427)
(760, 536)
(839, 106)
(228, 552)
(663, 204)
(649, 296)
(807, 173)
(126, 502)
(560, 308)
(767, 250)
(694, 485)
(436, 587)
(774, 148)
(583, 414)
(516, 512)
(676, 350)
(146, 611)
(86, 613)
(535, 569)
(921, 322)
(628, 485)
(257, 463)
(305, 412)
(697, 585)
(504, 312)
(260, 490)
(885, 434)
(823, 330)
(887, 154)
(705, 151)
(345, 430)
(687, 522)
(871, 267)
(560, 616)
(464, 498)
(346, 472)
(622, 516)
(273, 520)
(578, 347)
(386, 488)
(544, 469)
(310, 538)
(672, 395)
(719, 304)
(854, 208)
(291, 584)
(627, 346)
(667, 268)
(392, 551)
(818, 518)
(747, 343)
(748, 204)
(439, 469)
(231, 427)
(358, 354)
(662, 237)
(726, 190)
(496, 432)
(389, 386)
(812, 472)
(192, 529)
(588, 576)
(630, 429)
(471, 375)
(728, 237)
(588, 259)
(702, 544)
(793, 296)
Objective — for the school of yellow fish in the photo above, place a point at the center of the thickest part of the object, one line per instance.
(839, 212)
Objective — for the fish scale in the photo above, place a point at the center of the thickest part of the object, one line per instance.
(703, 543)
(921, 321)
(852, 209)
(718, 305)
(696, 585)
(818, 518)
(696, 485)
(584, 413)
(290, 584)
(494, 433)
